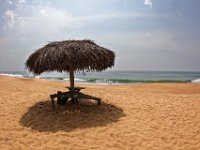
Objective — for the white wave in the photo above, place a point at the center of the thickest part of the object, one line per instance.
(196, 80)
(76, 79)
(12, 75)
(105, 82)
(37, 77)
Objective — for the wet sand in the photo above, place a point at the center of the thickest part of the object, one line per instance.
(147, 116)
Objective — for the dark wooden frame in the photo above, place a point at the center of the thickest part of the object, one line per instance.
(73, 95)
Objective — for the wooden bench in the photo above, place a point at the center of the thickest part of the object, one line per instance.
(73, 95)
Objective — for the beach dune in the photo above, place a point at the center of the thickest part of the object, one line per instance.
(146, 116)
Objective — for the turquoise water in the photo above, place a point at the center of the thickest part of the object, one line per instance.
(117, 77)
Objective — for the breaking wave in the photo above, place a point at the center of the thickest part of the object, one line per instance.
(196, 80)
(12, 75)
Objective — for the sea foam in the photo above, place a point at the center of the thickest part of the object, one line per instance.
(196, 80)
(76, 79)
(12, 75)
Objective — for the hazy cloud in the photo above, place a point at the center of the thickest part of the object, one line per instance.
(9, 2)
(22, 1)
(149, 41)
(44, 19)
(9, 17)
(148, 3)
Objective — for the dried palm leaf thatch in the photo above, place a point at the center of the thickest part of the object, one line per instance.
(61, 55)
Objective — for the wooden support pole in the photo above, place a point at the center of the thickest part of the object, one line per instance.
(71, 76)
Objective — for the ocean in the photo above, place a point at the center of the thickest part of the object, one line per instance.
(116, 77)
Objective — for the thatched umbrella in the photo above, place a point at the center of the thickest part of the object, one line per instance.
(70, 56)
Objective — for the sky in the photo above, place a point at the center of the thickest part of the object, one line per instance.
(144, 34)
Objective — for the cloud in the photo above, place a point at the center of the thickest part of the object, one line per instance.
(148, 3)
(38, 18)
(9, 2)
(13, 22)
(106, 16)
(22, 1)
(9, 16)
(148, 41)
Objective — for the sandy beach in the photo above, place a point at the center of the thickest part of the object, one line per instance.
(147, 116)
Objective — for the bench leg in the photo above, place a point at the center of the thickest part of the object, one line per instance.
(99, 102)
(52, 101)
(52, 104)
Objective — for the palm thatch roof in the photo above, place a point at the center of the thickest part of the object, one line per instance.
(60, 55)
